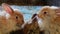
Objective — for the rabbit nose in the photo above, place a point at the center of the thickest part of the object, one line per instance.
(19, 25)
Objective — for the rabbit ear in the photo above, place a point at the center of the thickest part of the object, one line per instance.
(7, 8)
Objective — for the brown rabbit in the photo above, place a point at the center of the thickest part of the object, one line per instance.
(10, 20)
(32, 28)
(50, 16)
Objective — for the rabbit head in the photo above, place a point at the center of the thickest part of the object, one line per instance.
(47, 15)
(12, 19)
(48, 12)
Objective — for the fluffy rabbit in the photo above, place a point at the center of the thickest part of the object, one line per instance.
(32, 28)
(50, 17)
(10, 20)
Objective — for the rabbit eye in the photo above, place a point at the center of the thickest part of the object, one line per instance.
(16, 17)
(45, 12)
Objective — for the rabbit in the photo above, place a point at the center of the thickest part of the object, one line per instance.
(10, 20)
(50, 19)
(32, 28)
